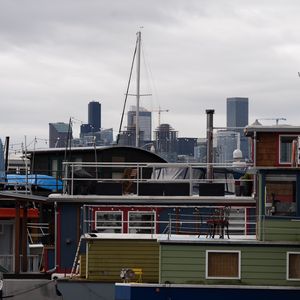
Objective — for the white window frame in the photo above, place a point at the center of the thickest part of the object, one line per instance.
(110, 212)
(288, 264)
(285, 135)
(222, 251)
(142, 212)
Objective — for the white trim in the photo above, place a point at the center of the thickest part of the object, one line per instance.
(222, 251)
(288, 264)
(212, 286)
(110, 212)
(279, 150)
(87, 261)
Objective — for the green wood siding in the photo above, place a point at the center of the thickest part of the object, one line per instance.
(279, 230)
(106, 258)
(260, 265)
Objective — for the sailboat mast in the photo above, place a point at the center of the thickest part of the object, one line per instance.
(138, 70)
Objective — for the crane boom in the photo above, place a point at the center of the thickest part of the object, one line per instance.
(159, 111)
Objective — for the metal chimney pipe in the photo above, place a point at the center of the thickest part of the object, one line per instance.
(209, 147)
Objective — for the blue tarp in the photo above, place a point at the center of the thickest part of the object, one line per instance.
(39, 180)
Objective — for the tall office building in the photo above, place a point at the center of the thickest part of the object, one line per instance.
(226, 144)
(94, 115)
(145, 120)
(58, 134)
(166, 142)
(238, 116)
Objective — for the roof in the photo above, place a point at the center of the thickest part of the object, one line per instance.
(249, 130)
(98, 149)
(152, 200)
(13, 196)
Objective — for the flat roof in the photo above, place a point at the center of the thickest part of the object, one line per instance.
(13, 196)
(153, 200)
(187, 239)
(249, 130)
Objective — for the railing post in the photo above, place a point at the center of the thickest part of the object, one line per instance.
(170, 227)
(137, 179)
(191, 180)
(72, 180)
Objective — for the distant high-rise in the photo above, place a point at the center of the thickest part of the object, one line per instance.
(238, 116)
(2, 167)
(58, 134)
(237, 112)
(166, 142)
(226, 144)
(94, 115)
(144, 120)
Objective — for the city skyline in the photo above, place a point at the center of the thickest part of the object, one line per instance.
(57, 56)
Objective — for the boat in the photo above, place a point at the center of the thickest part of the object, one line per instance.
(169, 245)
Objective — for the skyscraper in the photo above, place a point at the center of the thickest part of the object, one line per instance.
(144, 120)
(94, 115)
(238, 116)
(59, 134)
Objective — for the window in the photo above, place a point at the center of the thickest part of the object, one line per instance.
(293, 266)
(109, 221)
(141, 222)
(286, 148)
(223, 264)
(280, 198)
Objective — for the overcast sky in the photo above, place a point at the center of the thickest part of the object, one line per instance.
(56, 56)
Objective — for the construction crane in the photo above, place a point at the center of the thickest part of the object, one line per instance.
(159, 111)
(276, 119)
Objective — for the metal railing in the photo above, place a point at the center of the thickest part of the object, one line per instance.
(240, 222)
(131, 176)
(7, 261)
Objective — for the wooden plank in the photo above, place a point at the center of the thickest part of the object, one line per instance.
(108, 257)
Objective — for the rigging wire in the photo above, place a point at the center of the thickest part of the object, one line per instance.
(147, 74)
(127, 90)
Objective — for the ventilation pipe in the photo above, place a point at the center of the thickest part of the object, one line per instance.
(209, 147)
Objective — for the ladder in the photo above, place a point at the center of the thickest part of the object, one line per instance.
(76, 260)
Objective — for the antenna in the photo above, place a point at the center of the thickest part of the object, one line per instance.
(276, 119)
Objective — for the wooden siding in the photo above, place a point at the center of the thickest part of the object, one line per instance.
(82, 268)
(279, 230)
(260, 265)
(266, 149)
(106, 258)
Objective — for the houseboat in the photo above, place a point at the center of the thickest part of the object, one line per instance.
(179, 245)
(146, 227)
